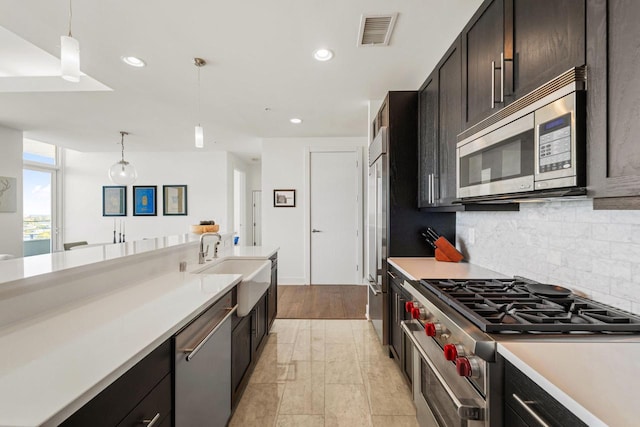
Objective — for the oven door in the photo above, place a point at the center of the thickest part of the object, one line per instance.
(442, 398)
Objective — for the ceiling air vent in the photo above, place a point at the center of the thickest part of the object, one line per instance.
(375, 30)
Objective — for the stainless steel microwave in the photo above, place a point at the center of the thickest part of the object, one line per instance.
(535, 146)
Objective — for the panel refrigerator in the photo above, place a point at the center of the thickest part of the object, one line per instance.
(394, 221)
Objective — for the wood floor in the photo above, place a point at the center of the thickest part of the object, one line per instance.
(322, 302)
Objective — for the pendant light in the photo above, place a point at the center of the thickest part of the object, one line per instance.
(70, 55)
(199, 62)
(123, 172)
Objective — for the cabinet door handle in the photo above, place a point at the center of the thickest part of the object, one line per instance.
(152, 421)
(191, 352)
(393, 276)
(531, 412)
(493, 84)
(433, 188)
(430, 184)
(502, 77)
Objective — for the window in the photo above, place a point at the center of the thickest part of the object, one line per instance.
(40, 184)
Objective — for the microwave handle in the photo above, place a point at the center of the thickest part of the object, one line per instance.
(464, 410)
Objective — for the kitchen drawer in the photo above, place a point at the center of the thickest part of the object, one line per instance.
(532, 396)
(113, 404)
(156, 404)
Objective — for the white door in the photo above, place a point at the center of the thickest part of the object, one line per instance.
(257, 218)
(334, 218)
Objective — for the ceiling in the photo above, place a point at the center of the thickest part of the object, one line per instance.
(260, 70)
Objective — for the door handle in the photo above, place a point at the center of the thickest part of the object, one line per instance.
(493, 84)
(316, 231)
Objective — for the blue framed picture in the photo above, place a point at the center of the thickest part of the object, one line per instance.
(144, 200)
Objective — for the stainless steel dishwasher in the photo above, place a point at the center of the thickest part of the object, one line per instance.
(203, 368)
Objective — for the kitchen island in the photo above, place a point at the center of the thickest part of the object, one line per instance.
(74, 322)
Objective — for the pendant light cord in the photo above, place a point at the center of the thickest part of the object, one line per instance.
(122, 144)
(199, 106)
(70, 16)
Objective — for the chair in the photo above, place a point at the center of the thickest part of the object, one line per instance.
(68, 246)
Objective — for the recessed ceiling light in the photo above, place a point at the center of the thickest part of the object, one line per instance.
(295, 121)
(133, 61)
(323, 54)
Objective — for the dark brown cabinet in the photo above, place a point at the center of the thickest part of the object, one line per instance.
(543, 39)
(483, 43)
(427, 141)
(272, 293)
(241, 356)
(249, 334)
(510, 47)
(612, 100)
(527, 404)
(259, 315)
(397, 299)
(141, 393)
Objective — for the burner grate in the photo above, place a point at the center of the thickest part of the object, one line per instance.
(507, 306)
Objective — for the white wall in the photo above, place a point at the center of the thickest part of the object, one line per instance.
(11, 166)
(283, 166)
(252, 181)
(204, 173)
(565, 243)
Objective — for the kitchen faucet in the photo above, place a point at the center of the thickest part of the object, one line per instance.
(202, 254)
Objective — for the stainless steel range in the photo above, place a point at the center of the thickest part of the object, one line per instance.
(457, 374)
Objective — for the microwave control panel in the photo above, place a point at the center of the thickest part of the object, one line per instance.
(555, 144)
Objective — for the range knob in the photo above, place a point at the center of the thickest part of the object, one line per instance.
(468, 367)
(408, 306)
(453, 351)
(418, 313)
(432, 329)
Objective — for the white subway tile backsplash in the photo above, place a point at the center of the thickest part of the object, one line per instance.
(612, 232)
(614, 269)
(625, 252)
(567, 243)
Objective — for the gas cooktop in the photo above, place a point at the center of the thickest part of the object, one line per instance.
(521, 305)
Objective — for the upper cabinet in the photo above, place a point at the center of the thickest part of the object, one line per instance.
(511, 47)
(543, 39)
(439, 107)
(612, 99)
(483, 44)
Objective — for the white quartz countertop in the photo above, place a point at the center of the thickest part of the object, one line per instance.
(53, 364)
(429, 268)
(28, 267)
(597, 381)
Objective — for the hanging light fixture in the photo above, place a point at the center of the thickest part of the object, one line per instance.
(123, 172)
(70, 55)
(199, 62)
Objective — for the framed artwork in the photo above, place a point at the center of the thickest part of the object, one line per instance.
(8, 194)
(114, 200)
(144, 200)
(174, 199)
(284, 198)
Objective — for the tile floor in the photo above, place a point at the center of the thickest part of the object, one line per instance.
(325, 373)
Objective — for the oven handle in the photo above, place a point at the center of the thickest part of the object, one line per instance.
(465, 412)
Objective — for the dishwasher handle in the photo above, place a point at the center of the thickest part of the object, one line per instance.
(191, 352)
